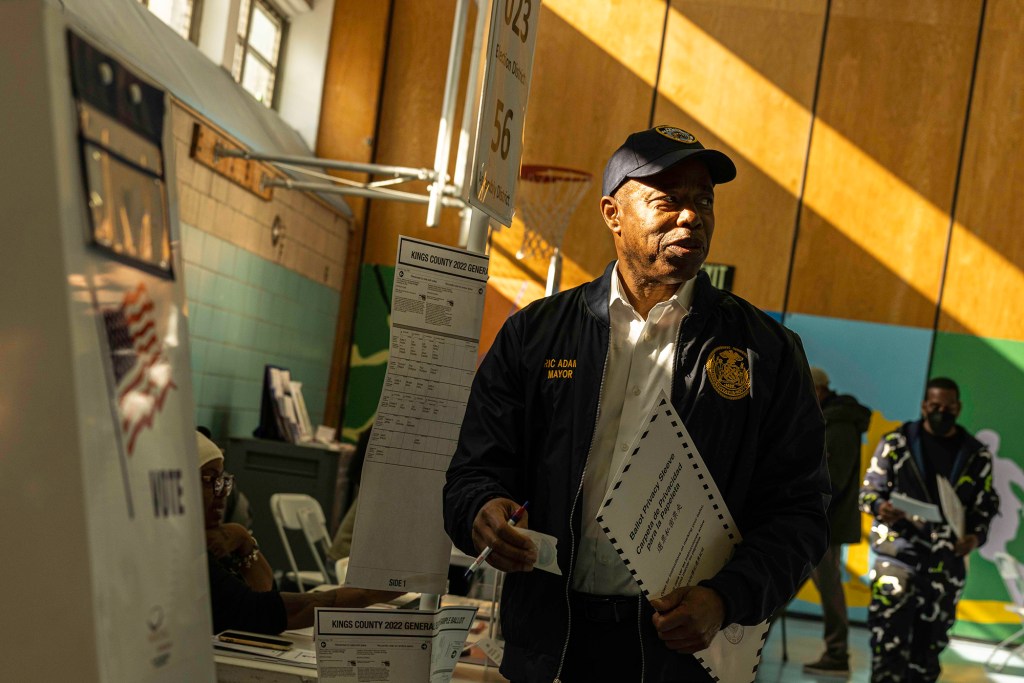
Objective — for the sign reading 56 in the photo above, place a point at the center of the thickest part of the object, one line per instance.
(502, 135)
(498, 146)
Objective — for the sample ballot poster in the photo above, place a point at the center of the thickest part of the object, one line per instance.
(390, 646)
(669, 522)
(399, 541)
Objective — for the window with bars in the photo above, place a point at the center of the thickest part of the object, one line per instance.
(178, 14)
(261, 31)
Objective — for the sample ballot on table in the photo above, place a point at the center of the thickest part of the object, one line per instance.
(436, 313)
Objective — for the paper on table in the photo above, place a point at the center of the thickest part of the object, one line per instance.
(952, 508)
(295, 656)
(389, 646)
(669, 522)
(928, 512)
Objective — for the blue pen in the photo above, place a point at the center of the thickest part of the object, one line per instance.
(512, 521)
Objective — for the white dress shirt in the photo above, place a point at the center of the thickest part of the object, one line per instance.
(640, 359)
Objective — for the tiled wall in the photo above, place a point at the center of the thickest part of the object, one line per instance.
(251, 302)
(245, 312)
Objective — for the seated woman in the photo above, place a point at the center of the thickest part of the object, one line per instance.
(242, 591)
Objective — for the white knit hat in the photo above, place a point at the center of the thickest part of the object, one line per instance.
(208, 450)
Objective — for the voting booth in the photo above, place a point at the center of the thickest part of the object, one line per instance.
(104, 561)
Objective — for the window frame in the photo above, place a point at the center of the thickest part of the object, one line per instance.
(195, 17)
(242, 42)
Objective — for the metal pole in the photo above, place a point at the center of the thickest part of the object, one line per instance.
(472, 100)
(372, 193)
(359, 167)
(554, 282)
(444, 132)
(474, 224)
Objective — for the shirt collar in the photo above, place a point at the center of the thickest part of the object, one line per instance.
(683, 296)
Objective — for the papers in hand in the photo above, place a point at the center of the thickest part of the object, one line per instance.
(952, 508)
(667, 519)
(547, 551)
(913, 507)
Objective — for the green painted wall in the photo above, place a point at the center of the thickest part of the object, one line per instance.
(370, 344)
(990, 373)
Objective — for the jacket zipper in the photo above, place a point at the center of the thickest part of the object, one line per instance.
(967, 466)
(920, 477)
(572, 515)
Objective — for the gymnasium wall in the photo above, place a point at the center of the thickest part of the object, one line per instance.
(875, 211)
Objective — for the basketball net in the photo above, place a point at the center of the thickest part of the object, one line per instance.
(547, 197)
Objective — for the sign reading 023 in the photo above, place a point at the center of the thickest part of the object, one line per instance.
(498, 153)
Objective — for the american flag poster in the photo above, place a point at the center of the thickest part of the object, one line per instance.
(142, 373)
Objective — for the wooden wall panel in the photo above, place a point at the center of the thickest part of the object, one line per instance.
(984, 285)
(410, 112)
(883, 158)
(352, 81)
(348, 117)
(740, 76)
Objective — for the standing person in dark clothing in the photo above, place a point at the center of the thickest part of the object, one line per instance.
(846, 420)
(740, 382)
(919, 571)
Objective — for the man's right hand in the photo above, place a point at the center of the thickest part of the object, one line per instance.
(889, 514)
(511, 551)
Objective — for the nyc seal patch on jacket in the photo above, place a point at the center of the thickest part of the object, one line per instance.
(729, 372)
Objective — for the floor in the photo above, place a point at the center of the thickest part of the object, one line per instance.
(962, 662)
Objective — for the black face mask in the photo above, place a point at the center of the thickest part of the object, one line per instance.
(941, 422)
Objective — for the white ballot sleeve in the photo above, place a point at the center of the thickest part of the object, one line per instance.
(952, 508)
(667, 519)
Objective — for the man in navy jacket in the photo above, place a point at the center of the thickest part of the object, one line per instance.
(562, 390)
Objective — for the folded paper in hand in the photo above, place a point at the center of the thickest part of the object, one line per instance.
(913, 507)
(952, 508)
(547, 551)
(667, 519)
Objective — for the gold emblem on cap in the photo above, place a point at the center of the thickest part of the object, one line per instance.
(677, 134)
(729, 373)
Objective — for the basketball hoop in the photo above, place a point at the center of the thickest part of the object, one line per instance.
(547, 197)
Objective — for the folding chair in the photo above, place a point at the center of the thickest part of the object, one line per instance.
(1013, 576)
(299, 512)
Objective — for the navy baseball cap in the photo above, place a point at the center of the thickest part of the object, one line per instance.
(652, 151)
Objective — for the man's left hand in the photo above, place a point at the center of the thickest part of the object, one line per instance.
(965, 545)
(688, 618)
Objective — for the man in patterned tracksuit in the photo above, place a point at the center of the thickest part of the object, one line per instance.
(919, 569)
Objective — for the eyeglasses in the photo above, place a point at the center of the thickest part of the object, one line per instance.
(221, 485)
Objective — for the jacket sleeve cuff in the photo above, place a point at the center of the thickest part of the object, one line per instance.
(478, 502)
(731, 593)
